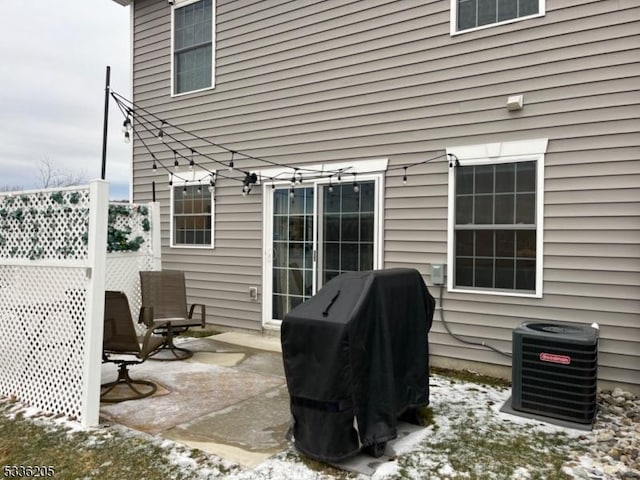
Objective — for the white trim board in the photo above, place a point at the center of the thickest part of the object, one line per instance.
(283, 174)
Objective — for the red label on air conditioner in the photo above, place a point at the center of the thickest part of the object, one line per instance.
(553, 358)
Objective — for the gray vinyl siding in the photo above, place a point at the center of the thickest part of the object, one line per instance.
(307, 81)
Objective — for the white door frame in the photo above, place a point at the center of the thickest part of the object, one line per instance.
(366, 170)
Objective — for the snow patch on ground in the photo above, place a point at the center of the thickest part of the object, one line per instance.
(386, 470)
(411, 442)
(521, 474)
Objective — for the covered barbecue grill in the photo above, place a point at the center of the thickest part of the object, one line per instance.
(356, 358)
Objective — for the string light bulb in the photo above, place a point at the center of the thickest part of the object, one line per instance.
(356, 187)
(176, 164)
(292, 193)
(404, 178)
(161, 132)
(330, 186)
(212, 183)
(184, 190)
(171, 180)
(126, 129)
(231, 162)
(154, 166)
(191, 162)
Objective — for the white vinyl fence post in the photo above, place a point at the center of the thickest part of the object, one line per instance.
(154, 208)
(97, 254)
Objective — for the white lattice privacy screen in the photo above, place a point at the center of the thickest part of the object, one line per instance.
(133, 245)
(43, 324)
(52, 259)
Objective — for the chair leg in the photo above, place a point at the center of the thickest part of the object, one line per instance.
(131, 384)
(177, 353)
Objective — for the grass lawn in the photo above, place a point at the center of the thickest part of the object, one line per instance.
(104, 453)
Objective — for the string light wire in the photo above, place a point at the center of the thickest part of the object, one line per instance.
(126, 102)
(147, 124)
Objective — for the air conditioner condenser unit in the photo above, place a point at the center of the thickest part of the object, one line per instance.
(555, 371)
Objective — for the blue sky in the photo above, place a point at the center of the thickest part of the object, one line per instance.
(54, 56)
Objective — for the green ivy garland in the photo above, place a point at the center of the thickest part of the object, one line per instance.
(29, 218)
(118, 239)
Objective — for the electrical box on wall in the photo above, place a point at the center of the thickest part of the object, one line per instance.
(253, 293)
(437, 273)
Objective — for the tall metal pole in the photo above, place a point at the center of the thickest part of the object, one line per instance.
(106, 123)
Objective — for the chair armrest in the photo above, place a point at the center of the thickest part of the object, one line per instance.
(146, 316)
(148, 347)
(203, 312)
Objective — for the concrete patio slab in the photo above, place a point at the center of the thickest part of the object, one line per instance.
(247, 432)
(229, 399)
(215, 358)
(209, 344)
(264, 363)
(261, 342)
(212, 380)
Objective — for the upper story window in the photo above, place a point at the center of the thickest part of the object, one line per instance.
(192, 215)
(472, 14)
(193, 46)
(495, 221)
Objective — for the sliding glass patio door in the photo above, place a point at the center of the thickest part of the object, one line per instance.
(346, 235)
(293, 248)
(321, 231)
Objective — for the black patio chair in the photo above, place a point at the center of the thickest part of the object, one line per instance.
(122, 347)
(164, 301)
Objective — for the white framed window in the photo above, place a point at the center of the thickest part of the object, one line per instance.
(469, 15)
(192, 213)
(495, 226)
(192, 46)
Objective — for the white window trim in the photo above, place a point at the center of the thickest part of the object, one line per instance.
(454, 19)
(195, 176)
(359, 167)
(488, 154)
(184, 3)
(365, 170)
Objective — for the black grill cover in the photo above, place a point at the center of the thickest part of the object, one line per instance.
(357, 350)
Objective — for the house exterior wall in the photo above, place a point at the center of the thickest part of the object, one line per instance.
(310, 82)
